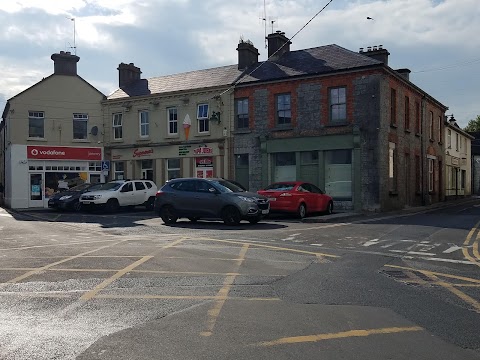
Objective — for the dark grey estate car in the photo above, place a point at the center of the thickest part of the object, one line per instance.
(209, 199)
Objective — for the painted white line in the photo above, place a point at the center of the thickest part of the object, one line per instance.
(371, 242)
(413, 252)
(449, 261)
(452, 248)
(317, 244)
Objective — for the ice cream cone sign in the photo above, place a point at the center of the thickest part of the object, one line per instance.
(186, 125)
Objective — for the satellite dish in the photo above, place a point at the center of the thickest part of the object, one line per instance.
(94, 130)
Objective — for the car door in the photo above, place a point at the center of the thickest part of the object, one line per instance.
(181, 197)
(126, 194)
(206, 199)
(320, 198)
(308, 196)
(140, 192)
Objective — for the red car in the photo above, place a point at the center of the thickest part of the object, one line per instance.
(298, 197)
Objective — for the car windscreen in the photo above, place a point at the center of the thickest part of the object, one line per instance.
(80, 187)
(225, 186)
(280, 187)
(111, 186)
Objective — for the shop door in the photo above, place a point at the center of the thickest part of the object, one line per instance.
(94, 178)
(35, 198)
(204, 173)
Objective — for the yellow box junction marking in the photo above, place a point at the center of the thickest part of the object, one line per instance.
(466, 243)
(222, 295)
(339, 335)
(450, 287)
(119, 274)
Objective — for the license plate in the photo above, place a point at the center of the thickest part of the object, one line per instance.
(272, 199)
(264, 211)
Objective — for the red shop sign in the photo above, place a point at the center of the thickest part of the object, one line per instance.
(204, 162)
(203, 150)
(63, 153)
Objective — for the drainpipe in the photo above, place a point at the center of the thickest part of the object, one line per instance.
(422, 150)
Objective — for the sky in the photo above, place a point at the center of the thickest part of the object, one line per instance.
(438, 40)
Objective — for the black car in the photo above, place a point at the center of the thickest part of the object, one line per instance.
(68, 199)
(210, 198)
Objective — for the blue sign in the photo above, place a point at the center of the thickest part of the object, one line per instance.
(106, 165)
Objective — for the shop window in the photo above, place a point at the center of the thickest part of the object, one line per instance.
(95, 166)
(117, 126)
(283, 108)
(241, 113)
(118, 170)
(172, 116)
(80, 126)
(173, 169)
(285, 166)
(338, 105)
(147, 169)
(309, 157)
(202, 118)
(60, 180)
(36, 124)
(338, 174)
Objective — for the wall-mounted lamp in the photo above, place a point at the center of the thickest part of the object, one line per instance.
(215, 116)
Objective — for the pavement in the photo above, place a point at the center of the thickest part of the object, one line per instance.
(343, 216)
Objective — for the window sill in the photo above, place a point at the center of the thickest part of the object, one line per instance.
(36, 139)
(393, 193)
(393, 126)
(143, 139)
(172, 136)
(242, 131)
(80, 140)
(117, 140)
(202, 134)
(343, 123)
(282, 128)
(417, 134)
(407, 131)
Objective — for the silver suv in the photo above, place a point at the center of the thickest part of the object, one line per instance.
(119, 193)
(209, 199)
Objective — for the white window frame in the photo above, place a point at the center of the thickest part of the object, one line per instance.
(202, 119)
(169, 169)
(338, 104)
(449, 138)
(172, 120)
(118, 174)
(117, 120)
(36, 115)
(144, 124)
(83, 118)
(457, 137)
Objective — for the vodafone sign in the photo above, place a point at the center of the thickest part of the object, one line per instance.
(63, 153)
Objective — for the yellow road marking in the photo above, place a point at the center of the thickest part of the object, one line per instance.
(477, 281)
(46, 267)
(179, 297)
(90, 294)
(414, 278)
(55, 245)
(457, 292)
(339, 335)
(274, 247)
(467, 242)
(475, 248)
(222, 295)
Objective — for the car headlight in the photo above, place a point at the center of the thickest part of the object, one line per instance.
(243, 198)
(66, 197)
(95, 197)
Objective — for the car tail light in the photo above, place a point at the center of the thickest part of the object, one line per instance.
(159, 192)
(286, 194)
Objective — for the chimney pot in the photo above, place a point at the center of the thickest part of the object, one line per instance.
(64, 63)
(369, 48)
(127, 74)
(361, 50)
(278, 44)
(380, 47)
(247, 54)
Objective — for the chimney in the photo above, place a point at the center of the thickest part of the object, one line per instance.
(405, 73)
(377, 53)
(127, 73)
(65, 63)
(278, 44)
(247, 54)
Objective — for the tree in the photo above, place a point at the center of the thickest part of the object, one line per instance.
(473, 125)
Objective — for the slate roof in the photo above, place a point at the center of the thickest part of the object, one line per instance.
(314, 61)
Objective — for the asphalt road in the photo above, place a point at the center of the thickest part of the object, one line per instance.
(125, 286)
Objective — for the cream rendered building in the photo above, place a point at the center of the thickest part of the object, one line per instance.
(458, 165)
(51, 136)
(172, 126)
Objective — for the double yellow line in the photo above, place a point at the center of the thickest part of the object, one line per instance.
(475, 256)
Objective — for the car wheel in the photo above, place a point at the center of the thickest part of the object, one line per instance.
(167, 213)
(150, 203)
(329, 209)
(254, 220)
(77, 206)
(302, 211)
(112, 205)
(231, 215)
(193, 219)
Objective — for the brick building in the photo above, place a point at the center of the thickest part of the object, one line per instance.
(342, 120)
